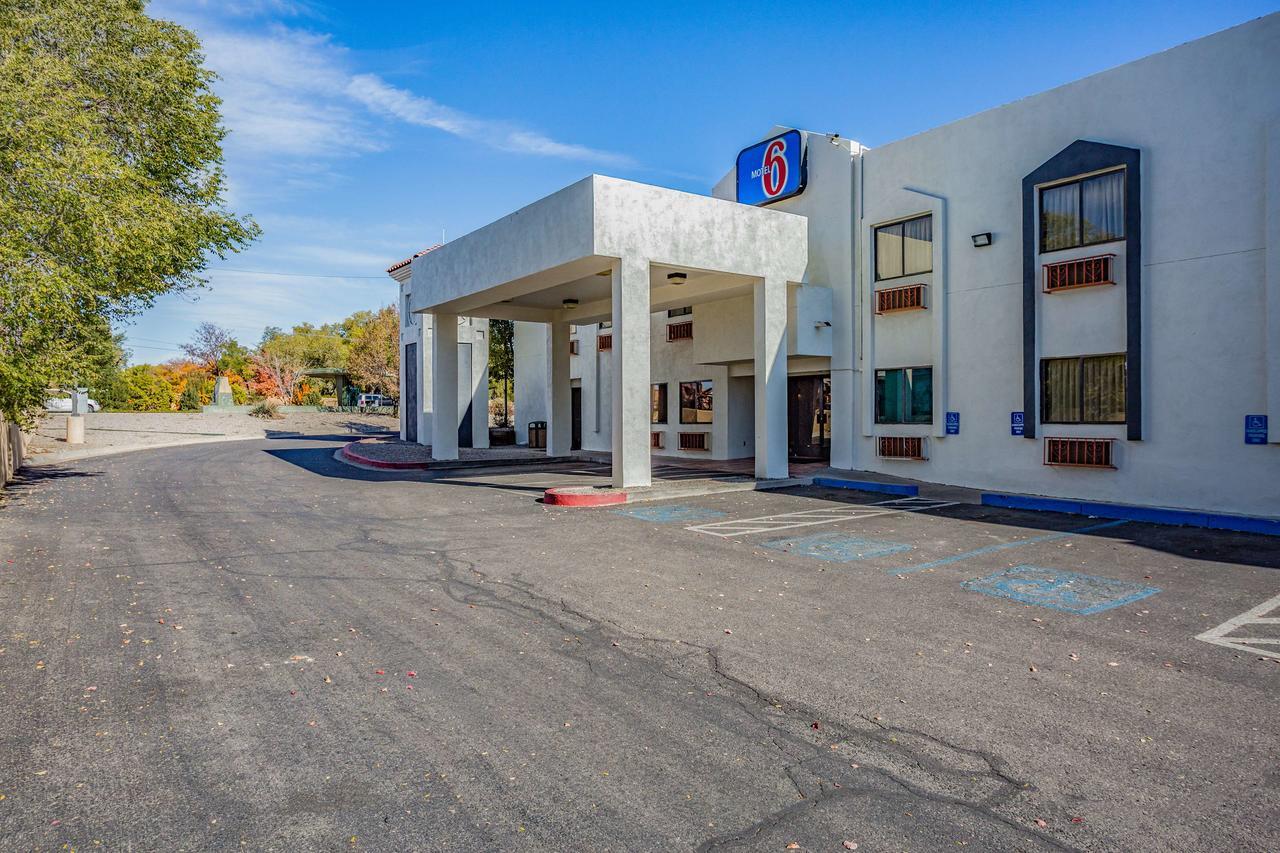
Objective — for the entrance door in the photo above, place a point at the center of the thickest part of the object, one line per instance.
(809, 417)
(410, 405)
(575, 403)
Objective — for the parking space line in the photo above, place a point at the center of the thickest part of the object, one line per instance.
(1218, 636)
(811, 517)
(977, 552)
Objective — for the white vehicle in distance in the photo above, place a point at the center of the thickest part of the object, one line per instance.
(63, 404)
(371, 401)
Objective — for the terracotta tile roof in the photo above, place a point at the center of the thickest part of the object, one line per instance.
(402, 264)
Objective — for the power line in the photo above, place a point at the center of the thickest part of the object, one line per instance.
(264, 272)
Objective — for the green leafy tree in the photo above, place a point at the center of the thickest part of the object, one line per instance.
(143, 389)
(111, 180)
(502, 363)
(374, 358)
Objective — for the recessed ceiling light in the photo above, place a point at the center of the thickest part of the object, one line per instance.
(677, 278)
(569, 304)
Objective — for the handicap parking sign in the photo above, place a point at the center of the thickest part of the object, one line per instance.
(1255, 429)
(953, 423)
(1017, 423)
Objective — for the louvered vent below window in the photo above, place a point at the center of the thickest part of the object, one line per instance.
(1079, 452)
(604, 342)
(695, 441)
(655, 440)
(680, 331)
(901, 447)
(908, 297)
(1081, 272)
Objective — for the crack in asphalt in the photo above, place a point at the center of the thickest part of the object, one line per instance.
(787, 724)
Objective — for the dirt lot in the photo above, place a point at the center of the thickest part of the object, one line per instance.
(116, 432)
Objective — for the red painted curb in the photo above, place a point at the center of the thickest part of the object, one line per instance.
(563, 497)
(378, 463)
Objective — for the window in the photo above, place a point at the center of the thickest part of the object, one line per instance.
(573, 346)
(904, 248)
(1083, 212)
(1082, 390)
(680, 312)
(904, 396)
(695, 402)
(658, 403)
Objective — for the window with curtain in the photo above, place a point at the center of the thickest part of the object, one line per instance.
(904, 395)
(695, 402)
(680, 312)
(1082, 390)
(658, 403)
(904, 248)
(1083, 212)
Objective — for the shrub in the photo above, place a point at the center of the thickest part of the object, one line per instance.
(190, 399)
(267, 409)
(142, 390)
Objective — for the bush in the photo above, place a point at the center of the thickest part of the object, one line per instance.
(190, 399)
(313, 397)
(267, 409)
(143, 390)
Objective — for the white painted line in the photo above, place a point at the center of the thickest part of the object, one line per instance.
(1218, 636)
(787, 521)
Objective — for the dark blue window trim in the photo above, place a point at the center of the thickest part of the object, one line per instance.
(1079, 158)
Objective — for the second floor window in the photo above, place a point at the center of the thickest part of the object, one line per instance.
(904, 248)
(1083, 212)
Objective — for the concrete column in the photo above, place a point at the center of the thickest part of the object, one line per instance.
(771, 377)
(444, 386)
(629, 390)
(559, 399)
(480, 383)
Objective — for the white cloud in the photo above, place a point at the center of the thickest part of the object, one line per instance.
(383, 98)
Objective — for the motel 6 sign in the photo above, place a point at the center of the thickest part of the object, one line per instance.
(772, 170)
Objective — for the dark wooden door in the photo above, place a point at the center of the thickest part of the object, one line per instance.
(410, 405)
(809, 417)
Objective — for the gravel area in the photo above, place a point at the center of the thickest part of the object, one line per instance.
(115, 432)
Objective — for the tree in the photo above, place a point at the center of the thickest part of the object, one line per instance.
(374, 358)
(111, 180)
(143, 390)
(502, 361)
(281, 369)
(209, 344)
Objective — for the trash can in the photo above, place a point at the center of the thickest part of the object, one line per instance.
(538, 434)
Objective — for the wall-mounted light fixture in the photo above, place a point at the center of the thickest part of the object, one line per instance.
(569, 304)
(822, 324)
(677, 278)
(980, 240)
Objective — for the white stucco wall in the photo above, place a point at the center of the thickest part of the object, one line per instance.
(1199, 115)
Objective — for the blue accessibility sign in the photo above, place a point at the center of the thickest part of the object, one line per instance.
(1255, 429)
(953, 423)
(1017, 423)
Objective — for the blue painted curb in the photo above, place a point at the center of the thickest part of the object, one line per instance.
(1189, 518)
(867, 486)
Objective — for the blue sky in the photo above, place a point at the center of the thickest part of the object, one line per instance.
(360, 131)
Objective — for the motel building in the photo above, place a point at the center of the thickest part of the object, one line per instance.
(1075, 295)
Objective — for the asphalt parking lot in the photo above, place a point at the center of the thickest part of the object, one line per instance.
(251, 645)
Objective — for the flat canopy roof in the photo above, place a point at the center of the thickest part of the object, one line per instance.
(524, 265)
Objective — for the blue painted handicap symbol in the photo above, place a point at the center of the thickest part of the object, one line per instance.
(837, 547)
(670, 514)
(1255, 429)
(1070, 592)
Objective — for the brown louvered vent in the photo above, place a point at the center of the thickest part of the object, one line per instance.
(901, 447)
(1081, 272)
(573, 347)
(604, 342)
(908, 297)
(680, 331)
(1079, 452)
(695, 441)
(655, 440)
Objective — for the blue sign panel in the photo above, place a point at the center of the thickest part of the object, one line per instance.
(953, 423)
(772, 170)
(1255, 429)
(1017, 423)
